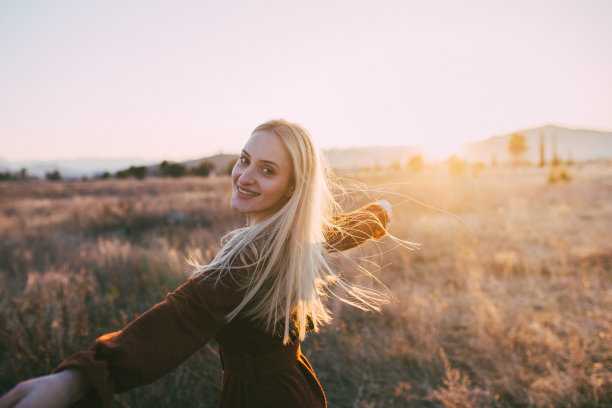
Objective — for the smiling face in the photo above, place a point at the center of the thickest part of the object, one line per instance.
(262, 177)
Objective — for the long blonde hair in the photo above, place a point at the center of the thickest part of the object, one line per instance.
(283, 256)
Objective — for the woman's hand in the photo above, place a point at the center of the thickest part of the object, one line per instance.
(385, 204)
(51, 391)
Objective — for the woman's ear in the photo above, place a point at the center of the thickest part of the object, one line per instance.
(290, 192)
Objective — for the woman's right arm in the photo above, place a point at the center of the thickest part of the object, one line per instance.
(51, 391)
(146, 349)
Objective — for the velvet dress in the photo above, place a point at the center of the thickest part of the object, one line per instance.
(258, 370)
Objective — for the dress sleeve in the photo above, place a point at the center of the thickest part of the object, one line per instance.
(156, 342)
(346, 231)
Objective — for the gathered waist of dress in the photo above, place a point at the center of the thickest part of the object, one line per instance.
(265, 364)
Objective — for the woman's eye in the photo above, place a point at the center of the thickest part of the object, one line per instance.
(244, 160)
(267, 170)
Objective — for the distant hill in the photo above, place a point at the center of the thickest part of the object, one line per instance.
(371, 156)
(575, 144)
(222, 162)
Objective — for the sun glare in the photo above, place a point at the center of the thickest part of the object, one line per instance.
(440, 149)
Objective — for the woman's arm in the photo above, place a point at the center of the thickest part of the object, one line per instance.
(50, 391)
(146, 349)
(346, 231)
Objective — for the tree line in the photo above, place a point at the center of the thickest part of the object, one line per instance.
(166, 169)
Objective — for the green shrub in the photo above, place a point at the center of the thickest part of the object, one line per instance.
(203, 169)
(53, 175)
(456, 166)
(559, 174)
(415, 163)
(172, 169)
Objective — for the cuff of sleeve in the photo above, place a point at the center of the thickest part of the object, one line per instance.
(101, 393)
(379, 230)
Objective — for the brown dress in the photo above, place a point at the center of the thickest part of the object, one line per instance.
(258, 370)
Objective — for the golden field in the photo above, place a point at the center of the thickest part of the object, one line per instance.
(508, 302)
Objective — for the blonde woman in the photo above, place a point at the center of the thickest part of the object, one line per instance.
(258, 297)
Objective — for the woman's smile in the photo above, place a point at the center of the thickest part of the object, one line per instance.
(245, 192)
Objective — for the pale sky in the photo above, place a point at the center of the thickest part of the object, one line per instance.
(184, 79)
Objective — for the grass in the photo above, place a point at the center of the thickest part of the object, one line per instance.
(508, 302)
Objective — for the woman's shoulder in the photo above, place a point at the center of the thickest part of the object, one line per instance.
(229, 282)
(219, 282)
(205, 295)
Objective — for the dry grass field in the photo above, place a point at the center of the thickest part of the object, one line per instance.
(508, 302)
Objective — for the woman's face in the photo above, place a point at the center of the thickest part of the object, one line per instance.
(261, 178)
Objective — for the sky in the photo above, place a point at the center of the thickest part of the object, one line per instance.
(181, 80)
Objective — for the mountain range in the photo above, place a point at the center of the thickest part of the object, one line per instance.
(574, 144)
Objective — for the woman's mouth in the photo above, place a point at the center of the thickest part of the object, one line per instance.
(246, 192)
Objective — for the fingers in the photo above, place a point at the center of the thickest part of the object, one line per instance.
(46, 391)
(11, 398)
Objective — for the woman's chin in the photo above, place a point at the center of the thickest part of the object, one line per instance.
(237, 207)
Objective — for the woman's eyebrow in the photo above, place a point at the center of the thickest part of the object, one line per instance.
(269, 162)
(263, 161)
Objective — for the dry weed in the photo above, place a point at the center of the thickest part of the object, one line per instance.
(508, 303)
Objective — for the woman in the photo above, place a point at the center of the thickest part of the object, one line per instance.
(258, 297)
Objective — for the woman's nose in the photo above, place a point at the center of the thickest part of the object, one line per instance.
(247, 176)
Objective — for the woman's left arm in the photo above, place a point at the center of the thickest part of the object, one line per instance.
(349, 230)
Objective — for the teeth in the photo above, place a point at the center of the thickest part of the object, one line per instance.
(247, 192)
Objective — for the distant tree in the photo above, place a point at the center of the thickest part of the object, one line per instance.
(230, 167)
(138, 172)
(555, 156)
(456, 166)
(517, 146)
(203, 170)
(415, 163)
(542, 158)
(105, 175)
(395, 166)
(122, 174)
(19, 175)
(477, 168)
(53, 175)
(172, 169)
